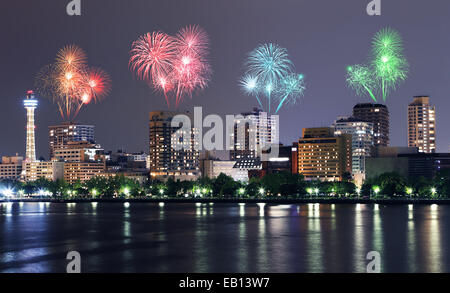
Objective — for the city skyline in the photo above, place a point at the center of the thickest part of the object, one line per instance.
(130, 101)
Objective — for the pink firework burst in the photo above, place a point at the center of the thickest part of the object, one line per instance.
(192, 40)
(152, 56)
(97, 85)
(176, 66)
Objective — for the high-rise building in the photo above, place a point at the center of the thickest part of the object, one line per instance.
(30, 104)
(362, 140)
(61, 135)
(324, 156)
(422, 125)
(377, 114)
(253, 131)
(169, 155)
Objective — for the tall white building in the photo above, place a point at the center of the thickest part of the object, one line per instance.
(30, 104)
(362, 140)
(253, 131)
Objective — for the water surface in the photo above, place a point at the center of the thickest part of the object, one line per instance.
(223, 238)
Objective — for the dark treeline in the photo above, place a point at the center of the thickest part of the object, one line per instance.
(387, 185)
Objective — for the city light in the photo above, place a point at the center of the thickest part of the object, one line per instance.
(241, 191)
(7, 192)
(309, 190)
(261, 191)
(94, 192)
(376, 189)
(409, 191)
(126, 191)
(433, 191)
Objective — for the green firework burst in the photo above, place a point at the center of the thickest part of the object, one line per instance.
(386, 69)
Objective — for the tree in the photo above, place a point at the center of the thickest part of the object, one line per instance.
(442, 183)
(272, 183)
(220, 183)
(253, 187)
(392, 184)
(97, 186)
(58, 187)
(29, 188)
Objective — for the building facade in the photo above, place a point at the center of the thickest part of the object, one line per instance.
(422, 125)
(81, 151)
(362, 140)
(61, 135)
(11, 168)
(407, 162)
(40, 169)
(324, 156)
(252, 132)
(171, 155)
(378, 115)
(82, 171)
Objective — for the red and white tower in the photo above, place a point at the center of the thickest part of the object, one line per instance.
(30, 104)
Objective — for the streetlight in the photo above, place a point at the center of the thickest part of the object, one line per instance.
(433, 191)
(241, 191)
(8, 192)
(94, 192)
(316, 190)
(309, 190)
(126, 191)
(261, 191)
(409, 191)
(376, 189)
(161, 191)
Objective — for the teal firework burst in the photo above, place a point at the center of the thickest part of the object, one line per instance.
(270, 74)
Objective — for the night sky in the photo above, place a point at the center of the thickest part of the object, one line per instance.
(322, 38)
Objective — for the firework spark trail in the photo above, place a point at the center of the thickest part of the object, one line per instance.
(291, 87)
(386, 68)
(249, 84)
(176, 66)
(361, 80)
(71, 83)
(270, 73)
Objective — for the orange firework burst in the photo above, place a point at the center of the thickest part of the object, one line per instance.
(71, 83)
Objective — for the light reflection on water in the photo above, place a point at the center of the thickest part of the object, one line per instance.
(144, 237)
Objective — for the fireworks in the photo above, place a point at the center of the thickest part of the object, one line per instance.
(270, 74)
(387, 67)
(71, 83)
(176, 66)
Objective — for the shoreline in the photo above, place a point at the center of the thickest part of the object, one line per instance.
(249, 201)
